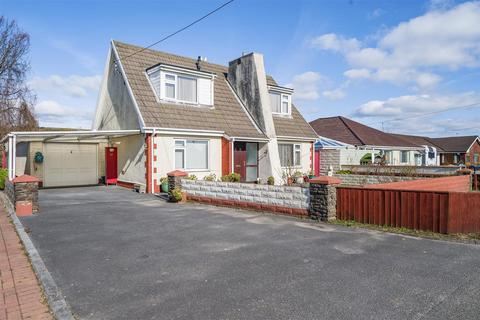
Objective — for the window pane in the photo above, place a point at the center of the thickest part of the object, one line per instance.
(170, 90)
(251, 174)
(297, 157)
(286, 154)
(275, 102)
(170, 77)
(179, 143)
(187, 89)
(197, 154)
(179, 159)
(251, 154)
(285, 107)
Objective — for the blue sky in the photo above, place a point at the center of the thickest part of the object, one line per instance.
(373, 61)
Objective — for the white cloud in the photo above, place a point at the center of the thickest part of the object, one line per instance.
(375, 14)
(358, 73)
(305, 85)
(442, 39)
(55, 114)
(75, 86)
(336, 43)
(336, 94)
(407, 105)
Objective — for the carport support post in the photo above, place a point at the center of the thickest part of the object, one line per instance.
(175, 179)
(323, 198)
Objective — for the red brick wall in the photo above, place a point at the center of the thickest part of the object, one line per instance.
(454, 184)
(226, 156)
(474, 149)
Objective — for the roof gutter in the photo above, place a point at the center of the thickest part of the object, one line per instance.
(290, 138)
(178, 131)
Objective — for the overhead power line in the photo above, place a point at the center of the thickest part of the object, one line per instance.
(473, 105)
(181, 29)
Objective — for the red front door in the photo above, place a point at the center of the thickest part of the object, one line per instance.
(111, 173)
(240, 159)
(317, 163)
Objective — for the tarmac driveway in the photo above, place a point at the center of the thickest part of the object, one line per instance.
(116, 254)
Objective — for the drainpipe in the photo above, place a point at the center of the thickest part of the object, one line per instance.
(14, 156)
(152, 181)
(233, 142)
(10, 161)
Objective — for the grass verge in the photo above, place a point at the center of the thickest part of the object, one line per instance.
(458, 237)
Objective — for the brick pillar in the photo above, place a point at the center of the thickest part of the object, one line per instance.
(23, 192)
(175, 179)
(323, 198)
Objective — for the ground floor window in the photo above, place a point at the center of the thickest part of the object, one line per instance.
(290, 154)
(475, 158)
(191, 154)
(404, 156)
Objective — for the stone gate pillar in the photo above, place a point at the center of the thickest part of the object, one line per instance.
(323, 198)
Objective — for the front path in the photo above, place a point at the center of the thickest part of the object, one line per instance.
(20, 293)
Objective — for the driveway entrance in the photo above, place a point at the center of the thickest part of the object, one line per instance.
(116, 254)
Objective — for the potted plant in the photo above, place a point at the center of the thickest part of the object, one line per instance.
(271, 180)
(176, 195)
(164, 184)
(298, 176)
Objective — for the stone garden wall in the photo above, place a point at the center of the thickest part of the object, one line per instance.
(362, 179)
(282, 199)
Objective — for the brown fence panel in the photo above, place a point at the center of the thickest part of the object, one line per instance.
(420, 210)
(464, 213)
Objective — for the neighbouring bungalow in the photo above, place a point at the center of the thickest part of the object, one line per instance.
(159, 112)
(459, 150)
(356, 143)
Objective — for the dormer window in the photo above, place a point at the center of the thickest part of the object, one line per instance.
(281, 100)
(184, 86)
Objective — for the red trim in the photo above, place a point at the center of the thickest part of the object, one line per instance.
(124, 184)
(226, 156)
(148, 153)
(156, 186)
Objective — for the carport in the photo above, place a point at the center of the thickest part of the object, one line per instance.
(63, 158)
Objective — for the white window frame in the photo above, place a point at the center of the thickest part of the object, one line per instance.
(296, 147)
(185, 155)
(283, 98)
(176, 72)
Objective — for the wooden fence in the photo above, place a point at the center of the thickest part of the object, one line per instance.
(437, 211)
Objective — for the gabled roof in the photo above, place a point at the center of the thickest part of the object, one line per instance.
(418, 140)
(227, 114)
(357, 134)
(455, 144)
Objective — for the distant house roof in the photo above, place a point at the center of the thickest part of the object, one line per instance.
(455, 144)
(348, 131)
(418, 140)
(227, 114)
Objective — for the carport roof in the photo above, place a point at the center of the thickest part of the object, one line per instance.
(26, 136)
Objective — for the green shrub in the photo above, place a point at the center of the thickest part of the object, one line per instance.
(192, 177)
(176, 195)
(163, 180)
(271, 180)
(232, 177)
(344, 172)
(210, 177)
(3, 177)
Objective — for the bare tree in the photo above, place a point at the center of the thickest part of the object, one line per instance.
(16, 99)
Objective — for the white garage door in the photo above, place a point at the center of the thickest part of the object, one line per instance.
(70, 164)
